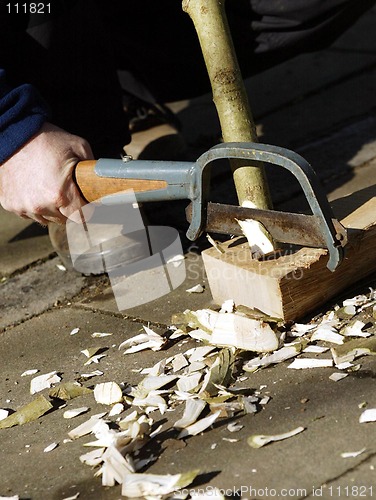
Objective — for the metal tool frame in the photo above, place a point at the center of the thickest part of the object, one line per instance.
(190, 180)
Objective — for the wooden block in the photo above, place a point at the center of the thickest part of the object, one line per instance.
(292, 285)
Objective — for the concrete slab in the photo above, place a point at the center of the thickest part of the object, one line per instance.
(282, 86)
(160, 311)
(303, 76)
(362, 36)
(16, 233)
(284, 89)
(35, 291)
(45, 343)
(303, 465)
(321, 113)
(337, 159)
(363, 177)
(309, 461)
(344, 161)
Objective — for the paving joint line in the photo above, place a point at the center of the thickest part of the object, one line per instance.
(32, 265)
(24, 320)
(133, 319)
(344, 473)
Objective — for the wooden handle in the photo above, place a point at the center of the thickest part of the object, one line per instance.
(93, 187)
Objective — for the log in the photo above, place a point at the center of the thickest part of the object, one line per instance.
(292, 285)
(229, 94)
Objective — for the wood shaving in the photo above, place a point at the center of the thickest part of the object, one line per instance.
(108, 393)
(116, 409)
(352, 454)
(74, 412)
(259, 241)
(193, 409)
(257, 441)
(27, 373)
(86, 427)
(338, 376)
(3, 414)
(235, 427)
(148, 340)
(286, 352)
(44, 381)
(50, 447)
(28, 413)
(144, 485)
(329, 334)
(199, 426)
(215, 244)
(368, 416)
(196, 289)
(94, 359)
(304, 363)
(73, 497)
(354, 329)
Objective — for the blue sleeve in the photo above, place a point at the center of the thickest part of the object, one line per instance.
(22, 114)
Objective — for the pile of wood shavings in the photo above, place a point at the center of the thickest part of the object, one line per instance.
(202, 379)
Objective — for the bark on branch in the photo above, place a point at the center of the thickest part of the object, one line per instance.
(229, 95)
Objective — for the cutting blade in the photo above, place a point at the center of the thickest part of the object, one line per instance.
(285, 227)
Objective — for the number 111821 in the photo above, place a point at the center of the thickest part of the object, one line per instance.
(29, 8)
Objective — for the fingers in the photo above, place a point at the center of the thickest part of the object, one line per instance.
(37, 182)
(57, 207)
(44, 220)
(73, 202)
(35, 218)
(87, 151)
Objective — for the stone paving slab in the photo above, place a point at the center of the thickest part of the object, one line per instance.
(304, 122)
(306, 75)
(17, 235)
(35, 291)
(328, 410)
(161, 310)
(337, 159)
(283, 90)
(345, 180)
(45, 343)
(361, 37)
(363, 178)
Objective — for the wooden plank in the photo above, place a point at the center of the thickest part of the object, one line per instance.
(290, 286)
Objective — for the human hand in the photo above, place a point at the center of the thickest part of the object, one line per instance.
(37, 181)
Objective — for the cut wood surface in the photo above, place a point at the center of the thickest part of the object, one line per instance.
(293, 285)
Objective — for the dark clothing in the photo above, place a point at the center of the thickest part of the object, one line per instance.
(76, 55)
(22, 114)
